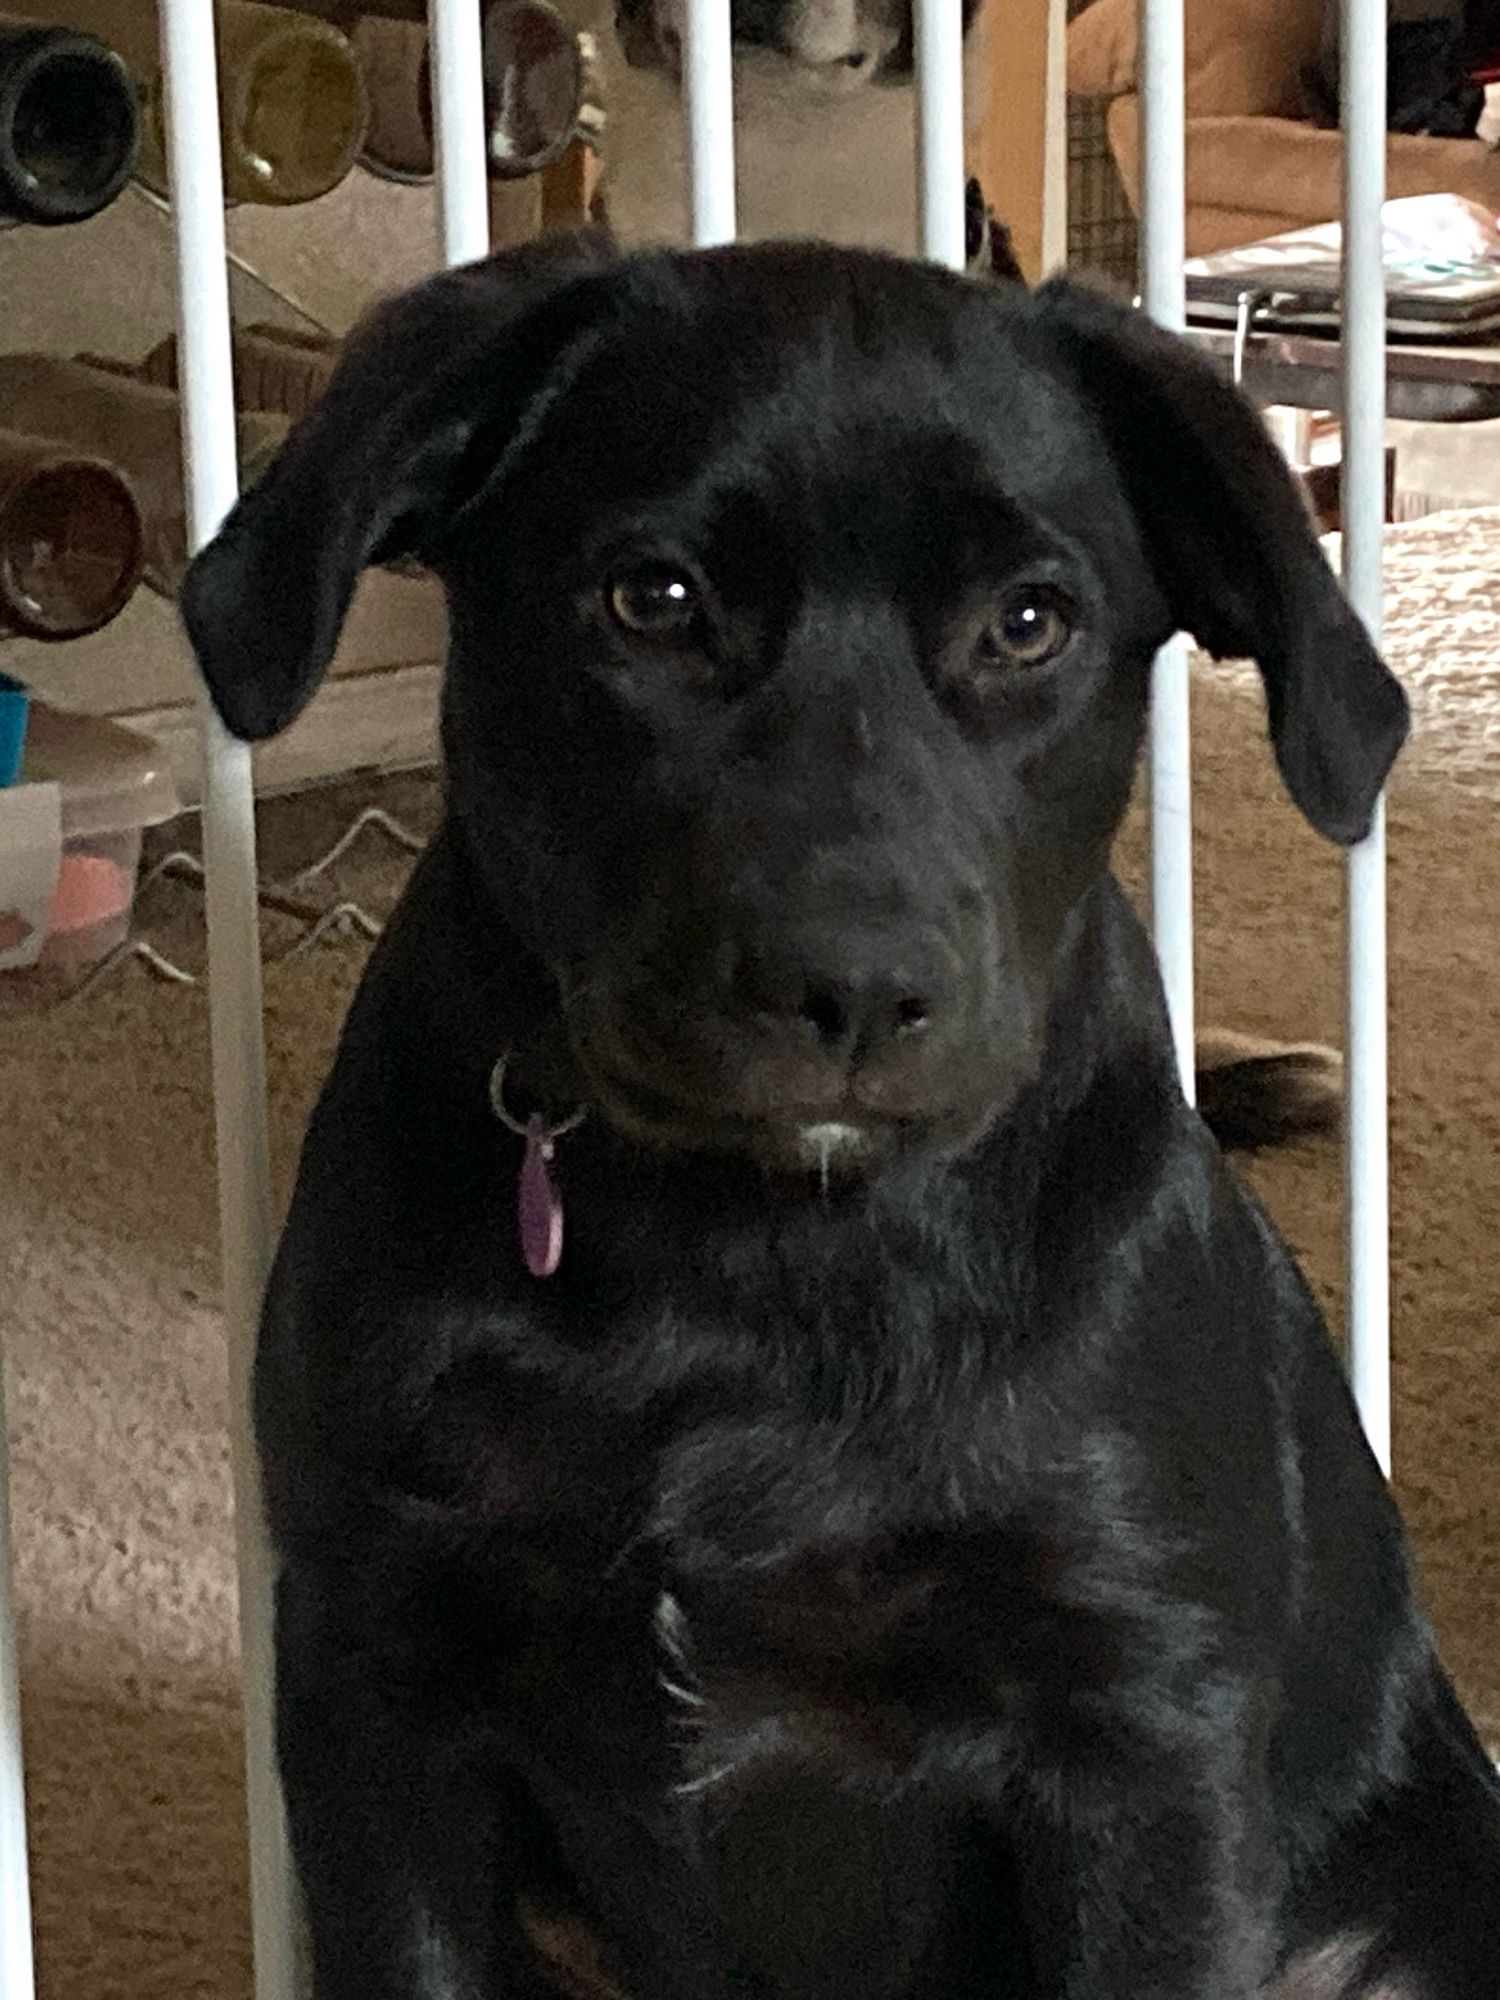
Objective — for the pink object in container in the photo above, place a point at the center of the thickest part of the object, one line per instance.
(91, 889)
(113, 783)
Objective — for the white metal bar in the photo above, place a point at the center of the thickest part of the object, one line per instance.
(1367, 1151)
(1163, 162)
(456, 41)
(1170, 781)
(1164, 295)
(1055, 167)
(938, 45)
(708, 92)
(17, 1974)
(211, 476)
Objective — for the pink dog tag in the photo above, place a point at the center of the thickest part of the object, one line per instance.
(539, 1211)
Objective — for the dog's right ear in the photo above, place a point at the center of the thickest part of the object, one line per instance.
(427, 392)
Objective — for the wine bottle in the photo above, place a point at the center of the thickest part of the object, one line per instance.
(69, 123)
(275, 368)
(292, 104)
(134, 426)
(393, 61)
(70, 539)
(538, 92)
(533, 86)
(343, 12)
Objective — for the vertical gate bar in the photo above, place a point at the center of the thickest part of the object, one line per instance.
(1055, 161)
(211, 477)
(938, 46)
(1367, 1147)
(17, 1974)
(456, 42)
(1163, 292)
(708, 93)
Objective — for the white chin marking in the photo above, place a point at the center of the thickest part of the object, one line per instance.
(833, 1141)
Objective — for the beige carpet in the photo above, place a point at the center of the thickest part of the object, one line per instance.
(115, 1374)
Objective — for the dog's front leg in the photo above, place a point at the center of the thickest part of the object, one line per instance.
(1148, 1868)
(411, 1849)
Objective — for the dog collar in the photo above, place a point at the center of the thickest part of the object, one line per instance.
(539, 1208)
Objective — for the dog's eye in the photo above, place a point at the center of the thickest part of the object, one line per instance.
(1030, 627)
(655, 601)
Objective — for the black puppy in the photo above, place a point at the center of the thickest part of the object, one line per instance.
(910, 1539)
(847, 42)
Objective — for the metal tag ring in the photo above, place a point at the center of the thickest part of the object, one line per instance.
(529, 1129)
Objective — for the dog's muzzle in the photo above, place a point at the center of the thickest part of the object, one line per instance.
(814, 1057)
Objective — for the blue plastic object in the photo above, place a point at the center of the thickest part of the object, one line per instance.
(14, 705)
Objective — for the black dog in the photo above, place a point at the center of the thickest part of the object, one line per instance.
(846, 41)
(917, 1544)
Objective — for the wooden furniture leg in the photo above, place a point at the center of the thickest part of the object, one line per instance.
(570, 188)
(1016, 145)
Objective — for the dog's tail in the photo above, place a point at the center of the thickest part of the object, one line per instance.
(1254, 1093)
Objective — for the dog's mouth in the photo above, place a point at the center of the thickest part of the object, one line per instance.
(817, 1144)
(830, 1140)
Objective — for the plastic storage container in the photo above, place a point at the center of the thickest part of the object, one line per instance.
(70, 847)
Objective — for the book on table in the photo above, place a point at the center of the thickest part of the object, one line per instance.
(1442, 276)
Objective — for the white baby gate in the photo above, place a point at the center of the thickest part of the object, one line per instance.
(229, 828)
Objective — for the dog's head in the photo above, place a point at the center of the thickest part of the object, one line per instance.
(840, 43)
(803, 603)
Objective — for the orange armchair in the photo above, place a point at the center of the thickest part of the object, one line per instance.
(1255, 166)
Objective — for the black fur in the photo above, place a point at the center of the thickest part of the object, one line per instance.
(939, 1565)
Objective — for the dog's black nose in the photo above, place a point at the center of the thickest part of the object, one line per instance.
(856, 1009)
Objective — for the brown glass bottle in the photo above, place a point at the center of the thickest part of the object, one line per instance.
(70, 539)
(342, 12)
(393, 60)
(69, 123)
(135, 426)
(538, 91)
(291, 99)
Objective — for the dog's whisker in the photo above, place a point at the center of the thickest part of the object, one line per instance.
(670, 1625)
(695, 1787)
(683, 1695)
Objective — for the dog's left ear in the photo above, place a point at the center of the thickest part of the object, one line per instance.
(428, 392)
(1235, 554)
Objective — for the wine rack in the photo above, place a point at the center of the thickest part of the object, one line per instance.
(118, 401)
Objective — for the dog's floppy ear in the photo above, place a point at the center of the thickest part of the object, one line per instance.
(425, 392)
(1235, 553)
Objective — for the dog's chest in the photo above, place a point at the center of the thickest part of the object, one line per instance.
(761, 1553)
(788, 1635)
(791, 1554)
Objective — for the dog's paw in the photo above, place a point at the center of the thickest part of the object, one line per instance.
(1254, 1093)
